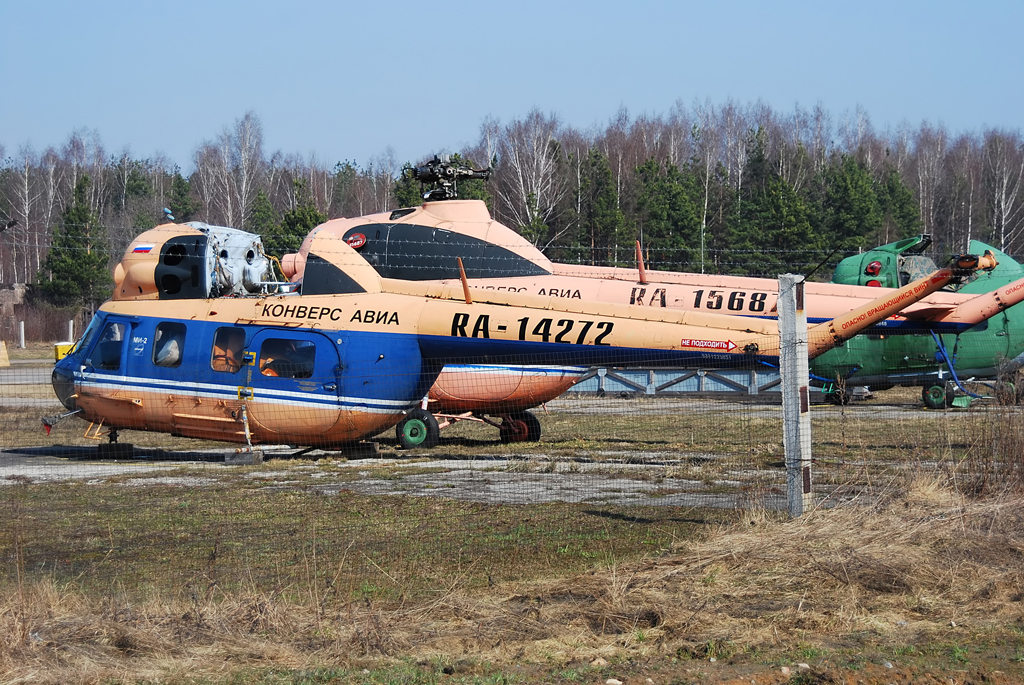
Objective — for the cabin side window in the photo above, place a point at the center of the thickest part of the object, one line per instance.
(169, 344)
(287, 358)
(228, 345)
(107, 353)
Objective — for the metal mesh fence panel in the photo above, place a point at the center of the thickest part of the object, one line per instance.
(617, 474)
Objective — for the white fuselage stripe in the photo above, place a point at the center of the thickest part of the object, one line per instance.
(260, 394)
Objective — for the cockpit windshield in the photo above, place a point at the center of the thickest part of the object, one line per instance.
(90, 333)
(915, 267)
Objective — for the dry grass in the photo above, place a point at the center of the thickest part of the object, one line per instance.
(41, 352)
(919, 571)
(924, 563)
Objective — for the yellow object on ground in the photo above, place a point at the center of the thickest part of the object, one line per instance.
(61, 349)
(4, 359)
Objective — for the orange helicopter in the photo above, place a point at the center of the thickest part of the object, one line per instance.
(425, 243)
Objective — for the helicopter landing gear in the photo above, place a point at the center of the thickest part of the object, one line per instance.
(112, 449)
(418, 429)
(519, 427)
(936, 396)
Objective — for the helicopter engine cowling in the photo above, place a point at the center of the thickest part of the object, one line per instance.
(192, 261)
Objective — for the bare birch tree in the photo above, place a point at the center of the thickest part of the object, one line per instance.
(706, 147)
(122, 171)
(678, 132)
(899, 148)
(794, 163)
(820, 143)
(381, 173)
(529, 186)
(929, 149)
(321, 185)
(22, 194)
(615, 145)
(225, 181)
(960, 191)
(490, 140)
(49, 181)
(1004, 168)
(246, 160)
(204, 179)
(857, 133)
(735, 133)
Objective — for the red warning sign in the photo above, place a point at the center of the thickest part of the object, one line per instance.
(356, 240)
(724, 345)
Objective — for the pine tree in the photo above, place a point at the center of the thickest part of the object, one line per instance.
(406, 191)
(263, 218)
(851, 214)
(182, 205)
(76, 271)
(602, 221)
(772, 233)
(295, 224)
(901, 216)
(669, 227)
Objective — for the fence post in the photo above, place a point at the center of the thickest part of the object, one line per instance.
(796, 401)
(71, 330)
(21, 334)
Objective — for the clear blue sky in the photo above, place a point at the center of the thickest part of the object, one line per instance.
(345, 80)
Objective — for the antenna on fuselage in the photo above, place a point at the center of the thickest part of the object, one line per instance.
(465, 283)
(640, 264)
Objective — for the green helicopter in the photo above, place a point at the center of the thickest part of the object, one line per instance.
(950, 368)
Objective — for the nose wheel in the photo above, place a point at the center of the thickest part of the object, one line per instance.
(418, 429)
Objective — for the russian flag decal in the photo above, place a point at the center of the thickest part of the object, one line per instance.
(143, 248)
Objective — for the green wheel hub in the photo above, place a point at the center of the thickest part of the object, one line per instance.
(934, 397)
(415, 432)
(419, 428)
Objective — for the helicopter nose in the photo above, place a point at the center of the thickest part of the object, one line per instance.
(63, 382)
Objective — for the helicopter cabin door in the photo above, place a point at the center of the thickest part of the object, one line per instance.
(294, 384)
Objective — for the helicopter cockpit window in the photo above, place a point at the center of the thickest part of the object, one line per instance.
(915, 267)
(287, 358)
(228, 345)
(107, 354)
(169, 344)
(87, 337)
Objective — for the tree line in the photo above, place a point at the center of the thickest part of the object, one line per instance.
(724, 188)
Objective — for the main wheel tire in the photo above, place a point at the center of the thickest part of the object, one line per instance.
(934, 396)
(519, 427)
(418, 429)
